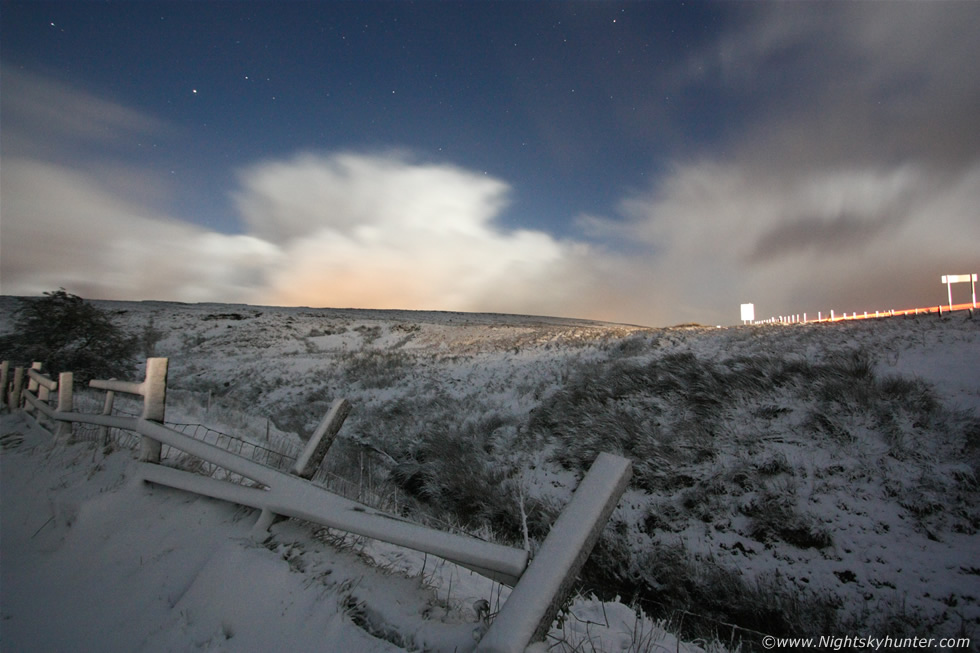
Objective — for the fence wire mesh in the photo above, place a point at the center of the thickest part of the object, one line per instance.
(280, 458)
(281, 455)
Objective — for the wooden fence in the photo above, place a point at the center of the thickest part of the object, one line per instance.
(540, 584)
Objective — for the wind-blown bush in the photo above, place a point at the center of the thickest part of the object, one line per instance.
(67, 334)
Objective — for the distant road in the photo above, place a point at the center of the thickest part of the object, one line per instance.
(802, 318)
(942, 308)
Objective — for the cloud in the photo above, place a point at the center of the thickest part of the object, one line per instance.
(341, 229)
(724, 234)
(849, 179)
(870, 83)
(44, 117)
(63, 228)
(373, 231)
(383, 231)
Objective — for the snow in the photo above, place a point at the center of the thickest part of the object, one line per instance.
(94, 560)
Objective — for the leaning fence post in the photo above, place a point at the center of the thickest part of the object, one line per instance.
(532, 606)
(309, 461)
(154, 391)
(65, 389)
(32, 386)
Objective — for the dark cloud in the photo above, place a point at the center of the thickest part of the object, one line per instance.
(880, 83)
(839, 234)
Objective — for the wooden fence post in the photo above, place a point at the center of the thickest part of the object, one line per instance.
(532, 606)
(4, 376)
(154, 391)
(13, 402)
(311, 458)
(65, 390)
(110, 398)
(316, 449)
(32, 386)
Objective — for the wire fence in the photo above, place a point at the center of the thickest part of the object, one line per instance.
(364, 490)
(281, 458)
(279, 454)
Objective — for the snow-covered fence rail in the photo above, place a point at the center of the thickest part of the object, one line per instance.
(38, 393)
(539, 587)
(153, 389)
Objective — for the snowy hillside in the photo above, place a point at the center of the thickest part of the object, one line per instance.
(802, 480)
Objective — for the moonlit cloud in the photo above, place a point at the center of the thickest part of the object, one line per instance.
(62, 228)
(44, 117)
(382, 231)
(860, 240)
(341, 229)
(846, 177)
(852, 187)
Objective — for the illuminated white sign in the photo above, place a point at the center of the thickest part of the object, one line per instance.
(748, 312)
(950, 279)
(959, 278)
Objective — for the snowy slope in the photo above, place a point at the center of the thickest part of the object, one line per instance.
(93, 561)
(811, 473)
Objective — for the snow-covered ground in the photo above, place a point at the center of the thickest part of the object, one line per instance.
(93, 561)
(823, 468)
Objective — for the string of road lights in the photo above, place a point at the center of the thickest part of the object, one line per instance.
(748, 310)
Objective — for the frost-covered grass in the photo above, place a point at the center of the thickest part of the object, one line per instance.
(804, 480)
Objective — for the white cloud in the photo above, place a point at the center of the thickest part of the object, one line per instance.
(381, 231)
(61, 227)
(343, 230)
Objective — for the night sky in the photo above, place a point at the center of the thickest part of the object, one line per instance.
(642, 162)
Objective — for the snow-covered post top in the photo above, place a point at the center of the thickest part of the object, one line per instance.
(31, 381)
(32, 386)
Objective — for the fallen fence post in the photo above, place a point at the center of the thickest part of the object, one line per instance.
(295, 497)
(532, 606)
